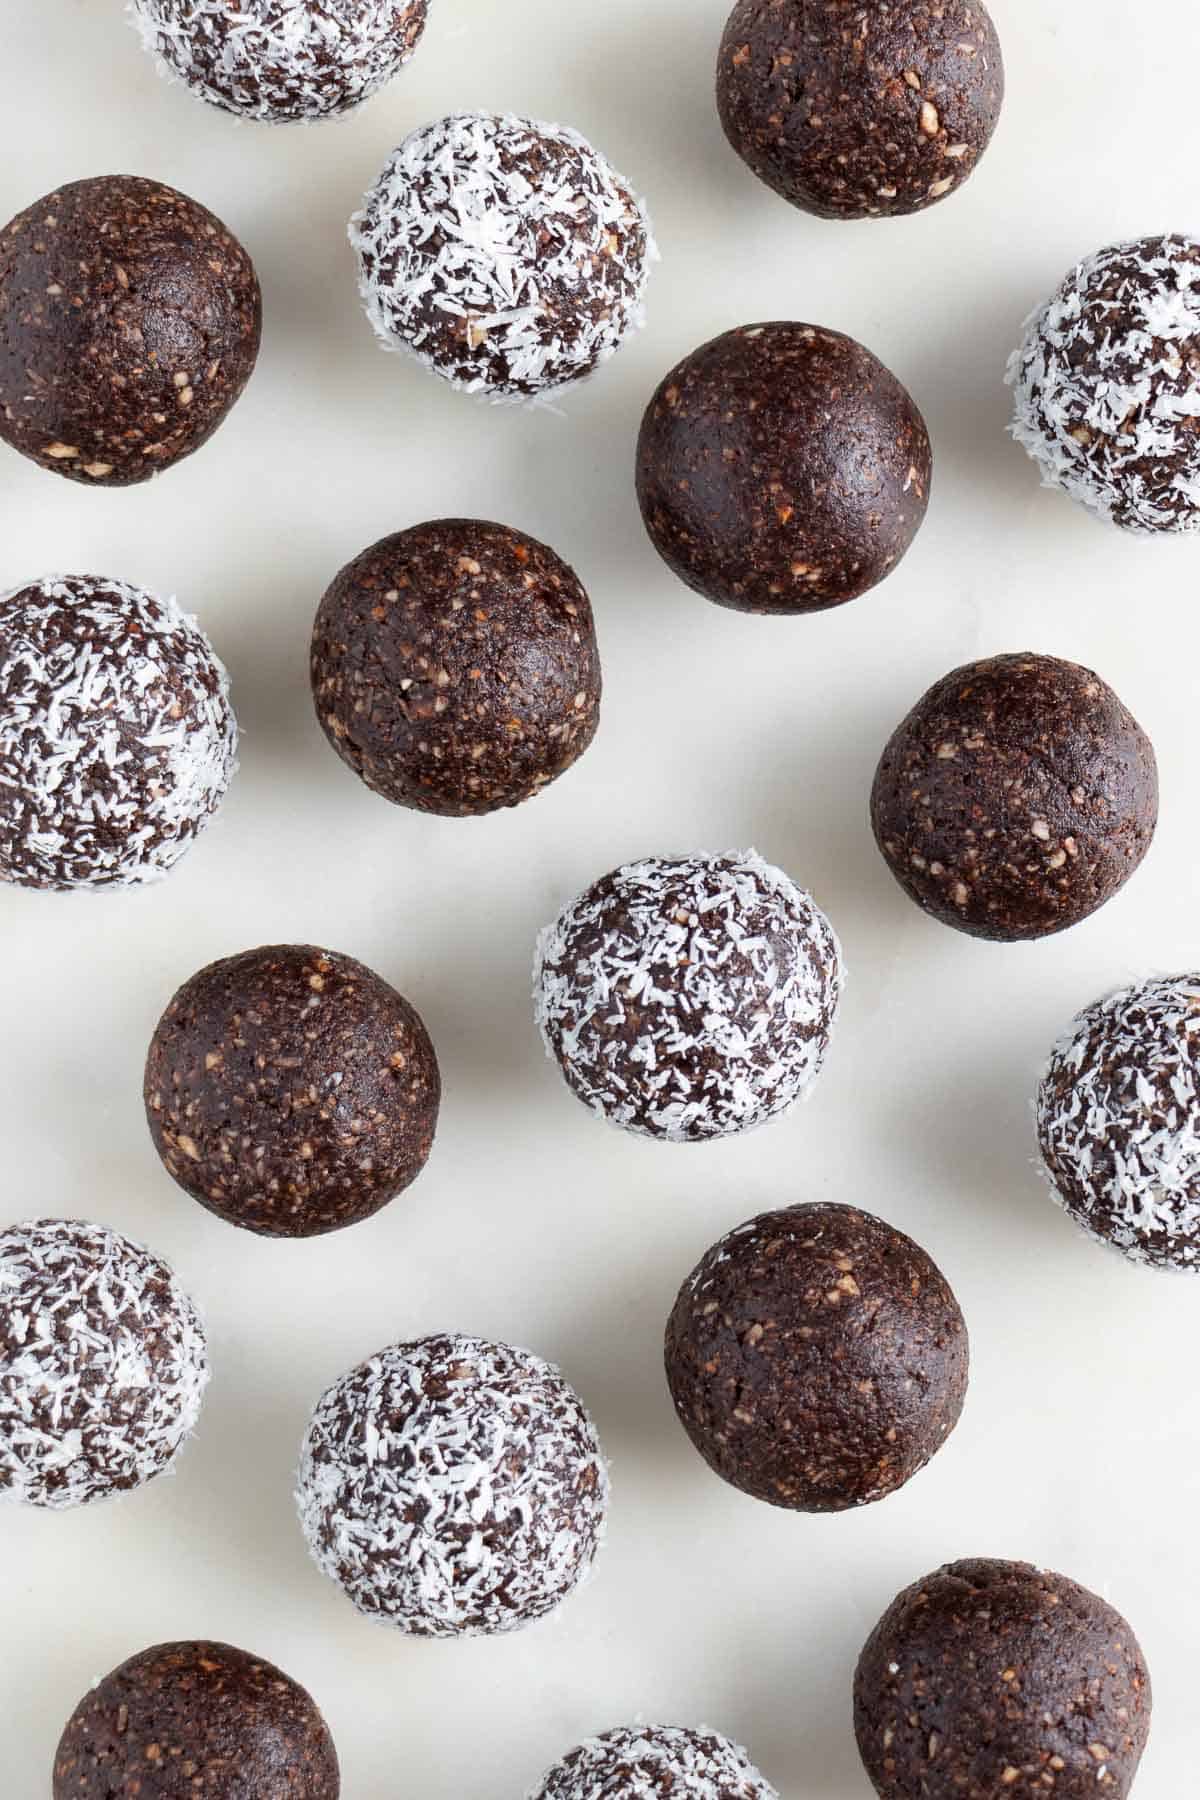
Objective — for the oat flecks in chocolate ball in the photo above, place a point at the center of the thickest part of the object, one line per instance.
(817, 1358)
(508, 255)
(655, 1762)
(281, 60)
(858, 111)
(196, 1721)
(291, 1091)
(455, 667)
(1118, 1118)
(103, 1364)
(691, 997)
(130, 320)
(1106, 385)
(1016, 798)
(782, 469)
(453, 1487)
(994, 1679)
(117, 738)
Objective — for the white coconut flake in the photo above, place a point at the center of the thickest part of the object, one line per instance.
(648, 1762)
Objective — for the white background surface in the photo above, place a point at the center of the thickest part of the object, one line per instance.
(1080, 1446)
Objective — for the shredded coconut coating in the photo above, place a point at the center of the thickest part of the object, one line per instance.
(689, 998)
(279, 61)
(1107, 385)
(507, 255)
(103, 1364)
(453, 1487)
(1118, 1120)
(655, 1762)
(117, 738)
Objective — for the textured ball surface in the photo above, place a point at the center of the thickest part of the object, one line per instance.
(1016, 798)
(453, 1487)
(196, 1719)
(1118, 1119)
(690, 997)
(130, 320)
(857, 112)
(991, 1679)
(508, 255)
(782, 469)
(455, 667)
(291, 1091)
(817, 1358)
(655, 1762)
(117, 738)
(281, 60)
(103, 1364)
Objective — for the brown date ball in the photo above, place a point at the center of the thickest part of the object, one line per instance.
(782, 469)
(860, 111)
(291, 1091)
(130, 320)
(455, 667)
(1016, 798)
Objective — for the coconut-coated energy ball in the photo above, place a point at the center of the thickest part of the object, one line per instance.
(655, 1762)
(453, 1487)
(103, 1364)
(291, 1090)
(990, 1679)
(455, 667)
(507, 255)
(689, 997)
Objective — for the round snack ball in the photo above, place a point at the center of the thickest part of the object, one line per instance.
(1016, 798)
(1106, 385)
(508, 255)
(782, 469)
(117, 738)
(280, 60)
(860, 112)
(817, 1358)
(455, 667)
(103, 1364)
(655, 1762)
(689, 997)
(130, 320)
(453, 1487)
(196, 1719)
(991, 1679)
(291, 1091)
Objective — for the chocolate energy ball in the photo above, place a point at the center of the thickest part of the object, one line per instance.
(991, 1679)
(655, 1762)
(855, 111)
(1106, 385)
(1016, 798)
(130, 320)
(782, 469)
(455, 667)
(117, 738)
(1118, 1120)
(103, 1364)
(817, 1358)
(291, 1091)
(507, 255)
(689, 997)
(277, 61)
(189, 1720)
(453, 1487)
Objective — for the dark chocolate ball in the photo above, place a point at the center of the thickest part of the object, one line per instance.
(455, 667)
(991, 1679)
(817, 1358)
(130, 320)
(196, 1721)
(291, 1091)
(655, 1762)
(856, 111)
(1016, 798)
(782, 469)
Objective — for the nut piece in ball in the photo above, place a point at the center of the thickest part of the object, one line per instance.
(659, 1762)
